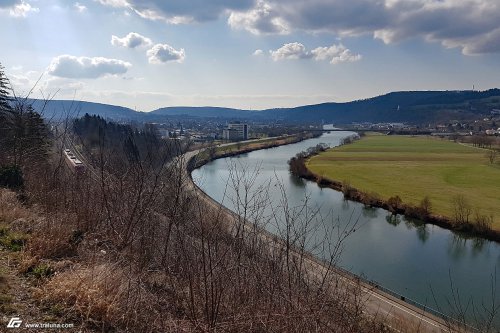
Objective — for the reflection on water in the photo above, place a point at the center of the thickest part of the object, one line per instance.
(370, 212)
(460, 243)
(478, 245)
(346, 204)
(457, 246)
(297, 181)
(241, 156)
(422, 230)
(393, 219)
(423, 233)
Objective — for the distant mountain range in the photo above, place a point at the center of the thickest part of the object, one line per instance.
(407, 106)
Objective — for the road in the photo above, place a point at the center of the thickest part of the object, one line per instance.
(377, 302)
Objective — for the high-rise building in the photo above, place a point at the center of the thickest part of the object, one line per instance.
(235, 131)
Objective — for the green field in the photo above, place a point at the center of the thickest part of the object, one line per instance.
(415, 167)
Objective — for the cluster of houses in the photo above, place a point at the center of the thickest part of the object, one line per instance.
(493, 131)
(233, 131)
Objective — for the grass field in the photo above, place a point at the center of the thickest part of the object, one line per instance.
(415, 167)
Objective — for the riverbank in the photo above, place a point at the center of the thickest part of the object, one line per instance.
(435, 181)
(207, 155)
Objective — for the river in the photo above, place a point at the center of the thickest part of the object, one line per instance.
(426, 263)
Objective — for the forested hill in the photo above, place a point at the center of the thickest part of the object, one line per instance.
(204, 111)
(411, 106)
(406, 106)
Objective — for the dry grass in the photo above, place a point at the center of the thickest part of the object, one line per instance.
(10, 207)
(104, 294)
(53, 239)
(6, 298)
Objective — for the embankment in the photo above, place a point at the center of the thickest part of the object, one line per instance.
(212, 153)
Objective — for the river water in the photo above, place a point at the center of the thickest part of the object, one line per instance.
(426, 263)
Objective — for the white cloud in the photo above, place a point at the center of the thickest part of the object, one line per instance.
(181, 11)
(290, 51)
(131, 41)
(21, 81)
(61, 86)
(18, 8)
(163, 53)
(471, 25)
(114, 3)
(258, 52)
(79, 7)
(68, 66)
(335, 54)
(260, 20)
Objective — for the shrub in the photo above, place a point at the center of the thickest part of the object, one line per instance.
(461, 210)
(483, 222)
(347, 189)
(422, 211)
(395, 202)
(426, 206)
(42, 271)
(10, 207)
(11, 177)
(12, 241)
(323, 182)
(372, 199)
(55, 243)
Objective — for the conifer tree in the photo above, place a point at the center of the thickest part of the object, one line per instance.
(5, 115)
(4, 91)
(24, 136)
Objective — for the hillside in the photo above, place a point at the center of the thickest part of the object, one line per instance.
(58, 109)
(417, 107)
(204, 111)
(411, 106)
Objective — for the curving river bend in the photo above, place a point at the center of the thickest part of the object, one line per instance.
(421, 262)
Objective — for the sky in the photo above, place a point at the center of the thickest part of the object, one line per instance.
(248, 54)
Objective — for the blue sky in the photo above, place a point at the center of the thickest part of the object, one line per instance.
(249, 54)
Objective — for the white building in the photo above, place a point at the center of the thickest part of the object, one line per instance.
(235, 131)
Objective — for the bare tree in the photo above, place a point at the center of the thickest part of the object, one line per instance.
(462, 210)
(491, 155)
